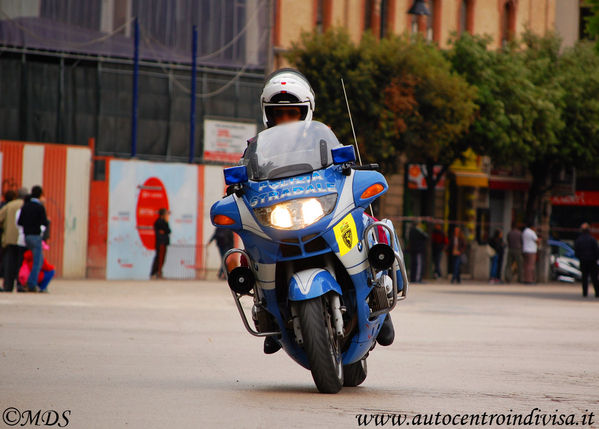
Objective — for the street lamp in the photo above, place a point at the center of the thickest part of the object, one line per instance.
(419, 8)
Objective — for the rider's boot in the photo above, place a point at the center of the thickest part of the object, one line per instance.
(386, 334)
(271, 345)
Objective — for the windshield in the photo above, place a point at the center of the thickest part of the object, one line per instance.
(290, 149)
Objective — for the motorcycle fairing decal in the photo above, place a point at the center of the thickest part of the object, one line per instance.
(266, 193)
(346, 234)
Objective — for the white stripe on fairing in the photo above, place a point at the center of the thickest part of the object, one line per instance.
(345, 200)
(247, 219)
(265, 275)
(33, 165)
(76, 211)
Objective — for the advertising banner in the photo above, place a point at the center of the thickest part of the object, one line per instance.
(137, 191)
(225, 141)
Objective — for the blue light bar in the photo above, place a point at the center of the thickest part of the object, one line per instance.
(343, 154)
(234, 175)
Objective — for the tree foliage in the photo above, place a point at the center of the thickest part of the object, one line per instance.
(403, 94)
(530, 103)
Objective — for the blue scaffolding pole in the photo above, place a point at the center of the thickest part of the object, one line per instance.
(192, 110)
(135, 90)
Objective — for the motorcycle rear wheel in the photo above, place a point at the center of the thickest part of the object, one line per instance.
(321, 345)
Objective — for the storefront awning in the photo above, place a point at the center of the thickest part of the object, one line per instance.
(506, 183)
(474, 179)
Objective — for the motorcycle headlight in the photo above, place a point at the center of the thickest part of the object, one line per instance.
(296, 214)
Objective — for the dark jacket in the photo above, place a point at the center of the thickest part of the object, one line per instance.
(417, 240)
(162, 231)
(32, 217)
(224, 238)
(497, 244)
(586, 248)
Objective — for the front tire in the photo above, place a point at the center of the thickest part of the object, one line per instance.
(355, 373)
(321, 345)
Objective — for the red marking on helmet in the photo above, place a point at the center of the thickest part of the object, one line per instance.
(283, 83)
(283, 92)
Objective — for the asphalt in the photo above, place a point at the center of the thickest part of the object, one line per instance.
(174, 354)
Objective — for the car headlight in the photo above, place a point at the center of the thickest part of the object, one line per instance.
(296, 214)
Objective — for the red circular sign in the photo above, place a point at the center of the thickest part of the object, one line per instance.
(152, 197)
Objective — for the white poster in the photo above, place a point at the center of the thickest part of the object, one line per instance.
(138, 189)
(225, 141)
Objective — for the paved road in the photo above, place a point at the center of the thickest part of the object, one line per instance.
(174, 354)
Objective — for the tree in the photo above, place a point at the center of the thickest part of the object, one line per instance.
(537, 107)
(403, 95)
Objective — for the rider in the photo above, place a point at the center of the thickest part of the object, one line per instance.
(288, 97)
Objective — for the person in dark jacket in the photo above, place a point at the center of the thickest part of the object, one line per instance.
(587, 251)
(32, 218)
(498, 245)
(417, 246)
(224, 241)
(162, 231)
(439, 242)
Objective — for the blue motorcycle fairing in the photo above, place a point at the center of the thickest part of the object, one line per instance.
(312, 283)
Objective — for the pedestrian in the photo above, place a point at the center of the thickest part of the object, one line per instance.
(498, 246)
(439, 243)
(530, 244)
(587, 252)
(417, 246)
(32, 218)
(46, 273)
(7, 198)
(224, 241)
(162, 232)
(458, 252)
(13, 250)
(514, 254)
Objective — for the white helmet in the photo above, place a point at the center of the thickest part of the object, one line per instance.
(286, 87)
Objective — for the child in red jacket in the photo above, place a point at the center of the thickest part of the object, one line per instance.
(46, 273)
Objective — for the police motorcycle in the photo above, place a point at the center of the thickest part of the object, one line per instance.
(322, 275)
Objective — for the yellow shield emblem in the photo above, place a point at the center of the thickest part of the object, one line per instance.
(346, 234)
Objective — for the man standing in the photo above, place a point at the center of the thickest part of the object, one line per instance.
(13, 252)
(417, 243)
(162, 231)
(32, 218)
(514, 253)
(224, 241)
(587, 252)
(530, 242)
(439, 241)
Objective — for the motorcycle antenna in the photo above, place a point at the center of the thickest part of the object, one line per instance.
(354, 133)
(351, 123)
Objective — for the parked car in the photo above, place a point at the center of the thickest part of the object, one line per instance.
(565, 266)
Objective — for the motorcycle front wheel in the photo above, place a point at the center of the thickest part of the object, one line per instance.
(321, 345)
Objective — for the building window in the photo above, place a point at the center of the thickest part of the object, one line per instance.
(433, 21)
(318, 25)
(508, 22)
(376, 17)
(466, 17)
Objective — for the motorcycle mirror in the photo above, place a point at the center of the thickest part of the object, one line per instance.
(343, 154)
(235, 175)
